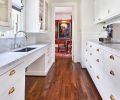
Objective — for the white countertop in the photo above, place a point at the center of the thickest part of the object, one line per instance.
(11, 57)
(113, 48)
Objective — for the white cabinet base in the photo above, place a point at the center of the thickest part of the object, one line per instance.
(42, 65)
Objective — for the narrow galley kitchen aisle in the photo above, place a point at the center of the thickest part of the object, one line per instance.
(65, 81)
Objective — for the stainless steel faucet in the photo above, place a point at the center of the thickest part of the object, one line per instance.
(15, 38)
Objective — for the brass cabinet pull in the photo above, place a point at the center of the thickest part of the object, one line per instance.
(98, 50)
(98, 77)
(112, 97)
(12, 72)
(90, 54)
(90, 46)
(12, 90)
(98, 60)
(112, 72)
(90, 66)
(112, 57)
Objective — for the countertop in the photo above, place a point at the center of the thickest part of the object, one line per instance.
(11, 57)
(113, 48)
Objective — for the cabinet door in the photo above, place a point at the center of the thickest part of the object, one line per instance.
(97, 10)
(106, 9)
(15, 91)
(100, 10)
(114, 8)
(5, 12)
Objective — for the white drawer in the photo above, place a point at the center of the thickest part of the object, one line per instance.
(10, 66)
(15, 91)
(98, 80)
(112, 70)
(112, 59)
(98, 52)
(11, 77)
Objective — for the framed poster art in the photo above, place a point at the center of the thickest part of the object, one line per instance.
(64, 30)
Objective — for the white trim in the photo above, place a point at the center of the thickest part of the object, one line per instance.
(74, 27)
(36, 73)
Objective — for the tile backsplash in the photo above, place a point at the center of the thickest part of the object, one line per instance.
(116, 32)
(7, 44)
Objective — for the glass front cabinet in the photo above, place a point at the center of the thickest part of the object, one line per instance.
(37, 16)
(5, 13)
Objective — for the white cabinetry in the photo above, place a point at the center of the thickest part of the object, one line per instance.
(13, 82)
(36, 16)
(100, 10)
(42, 62)
(5, 13)
(103, 67)
(106, 10)
(112, 70)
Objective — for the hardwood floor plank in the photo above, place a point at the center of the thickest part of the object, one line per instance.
(65, 81)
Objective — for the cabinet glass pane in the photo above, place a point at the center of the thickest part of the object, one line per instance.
(46, 16)
(41, 14)
(4, 10)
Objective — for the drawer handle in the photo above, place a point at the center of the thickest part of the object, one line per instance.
(98, 60)
(12, 73)
(90, 66)
(86, 50)
(112, 97)
(12, 90)
(90, 46)
(90, 54)
(112, 72)
(98, 50)
(112, 57)
(98, 77)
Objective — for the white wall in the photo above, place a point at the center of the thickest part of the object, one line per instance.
(61, 16)
(89, 29)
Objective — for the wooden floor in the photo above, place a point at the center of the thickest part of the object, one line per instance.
(65, 81)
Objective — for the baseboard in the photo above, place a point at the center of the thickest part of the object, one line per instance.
(40, 73)
(35, 73)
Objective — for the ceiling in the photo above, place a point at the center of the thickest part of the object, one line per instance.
(63, 9)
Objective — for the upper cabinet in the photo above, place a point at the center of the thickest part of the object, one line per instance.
(106, 10)
(36, 16)
(5, 13)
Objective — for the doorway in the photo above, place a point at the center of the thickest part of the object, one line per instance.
(74, 28)
(63, 32)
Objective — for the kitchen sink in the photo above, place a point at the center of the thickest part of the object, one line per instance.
(25, 49)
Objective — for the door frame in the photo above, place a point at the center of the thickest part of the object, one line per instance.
(74, 27)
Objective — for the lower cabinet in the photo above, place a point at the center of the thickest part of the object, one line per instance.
(15, 91)
(103, 67)
(13, 83)
(40, 62)
(48, 58)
